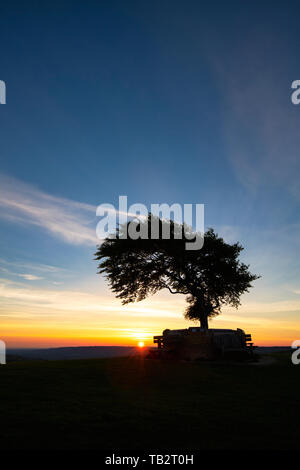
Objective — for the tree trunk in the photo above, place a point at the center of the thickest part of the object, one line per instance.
(204, 322)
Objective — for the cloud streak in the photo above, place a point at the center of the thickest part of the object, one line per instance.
(261, 125)
(17, 293)
(30, 277)
(68, 220)
(71, 221)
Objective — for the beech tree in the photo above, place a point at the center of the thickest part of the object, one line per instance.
(209, 278)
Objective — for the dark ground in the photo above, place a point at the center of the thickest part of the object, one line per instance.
(137, 404)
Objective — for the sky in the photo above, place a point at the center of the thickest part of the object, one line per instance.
(164, 102)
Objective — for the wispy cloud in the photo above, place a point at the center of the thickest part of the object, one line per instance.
(36, 267)
(16, 294)
(32, 271)
(30, 277)
(71, 221)
(261, 124)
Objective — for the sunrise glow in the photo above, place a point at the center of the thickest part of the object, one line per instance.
(33, 316)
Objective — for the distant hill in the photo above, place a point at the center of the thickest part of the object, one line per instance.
(82, 352)
(95, 352)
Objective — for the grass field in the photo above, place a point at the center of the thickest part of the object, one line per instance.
(132, 403)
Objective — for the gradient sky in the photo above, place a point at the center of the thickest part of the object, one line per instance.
(162, 101)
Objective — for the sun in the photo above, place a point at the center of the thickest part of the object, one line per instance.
(141, 344)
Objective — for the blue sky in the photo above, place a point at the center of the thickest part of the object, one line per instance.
(162, 102)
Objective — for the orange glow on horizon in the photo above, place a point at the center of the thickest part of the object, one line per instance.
(54, 339)
(84, 320)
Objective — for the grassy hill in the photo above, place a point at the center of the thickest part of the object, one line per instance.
(132, 403)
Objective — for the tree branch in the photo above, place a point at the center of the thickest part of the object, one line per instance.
(174, 292)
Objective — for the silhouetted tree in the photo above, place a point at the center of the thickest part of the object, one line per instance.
(210, 277)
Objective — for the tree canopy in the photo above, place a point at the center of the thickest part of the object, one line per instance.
(210, 277)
